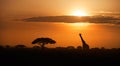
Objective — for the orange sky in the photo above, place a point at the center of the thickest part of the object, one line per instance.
(65, 34)
(19, 32)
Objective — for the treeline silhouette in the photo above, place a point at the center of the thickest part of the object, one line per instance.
(41, 55)
(63, 55)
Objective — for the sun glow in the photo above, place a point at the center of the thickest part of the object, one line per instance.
(79, 13)
(80, 24)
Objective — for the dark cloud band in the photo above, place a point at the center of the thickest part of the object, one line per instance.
(73, 19)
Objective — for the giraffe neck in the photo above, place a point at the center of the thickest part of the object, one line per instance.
(83, 42)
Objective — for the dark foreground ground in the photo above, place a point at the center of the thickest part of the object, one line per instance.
(59, 57)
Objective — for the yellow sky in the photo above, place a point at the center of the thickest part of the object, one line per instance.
(56, 7)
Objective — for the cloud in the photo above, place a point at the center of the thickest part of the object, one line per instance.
(73, 19)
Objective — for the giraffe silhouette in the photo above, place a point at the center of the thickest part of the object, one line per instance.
(85, 46)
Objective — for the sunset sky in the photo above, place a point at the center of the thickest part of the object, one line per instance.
(97, 33)
(56, 7)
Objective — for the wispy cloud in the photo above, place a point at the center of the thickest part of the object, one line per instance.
(73, 19)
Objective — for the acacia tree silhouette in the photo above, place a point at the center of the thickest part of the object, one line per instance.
(43, 41)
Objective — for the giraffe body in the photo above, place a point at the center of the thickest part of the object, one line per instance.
(84, 44)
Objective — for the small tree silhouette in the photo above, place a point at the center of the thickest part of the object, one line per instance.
(43, 41)
(1, 47)
(36, 47)
(7, 46)
(20, 46)
(79, 47)
(70, 47)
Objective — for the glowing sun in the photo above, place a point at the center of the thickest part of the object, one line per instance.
(79, 13)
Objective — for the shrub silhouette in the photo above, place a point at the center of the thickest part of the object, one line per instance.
(20, 46)
(43, 41)
(79, 47)
(70, 47)
(1, 47)
(36, 47)
(7, 46)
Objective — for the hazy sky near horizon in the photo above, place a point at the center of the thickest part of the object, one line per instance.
(19, 32)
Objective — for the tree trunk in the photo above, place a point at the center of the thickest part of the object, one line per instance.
(42, 46)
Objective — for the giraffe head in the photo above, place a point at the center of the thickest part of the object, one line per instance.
(80, 34)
